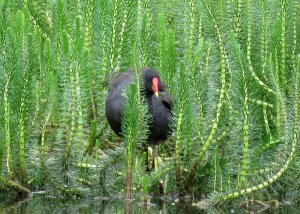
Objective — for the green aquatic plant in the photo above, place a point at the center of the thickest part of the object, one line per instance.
(232, 70)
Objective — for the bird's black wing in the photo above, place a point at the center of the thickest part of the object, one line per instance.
(115, 100)
(166, 99)
(121, 79)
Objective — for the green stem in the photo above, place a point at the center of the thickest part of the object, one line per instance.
(123, 29)
(283, 42)
(222, 94)
(89, 10)
(22, 142)
(263, 47)
(249, 48)
(238, 18)
(14, 185)
(9, 162)
(275, 177)
(177, 147)
(42, 155)
(73, 113)
(245, 161)
(114, 35)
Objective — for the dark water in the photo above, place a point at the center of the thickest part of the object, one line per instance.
(38, 203)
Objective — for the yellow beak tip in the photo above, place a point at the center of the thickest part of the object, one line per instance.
(156, 94)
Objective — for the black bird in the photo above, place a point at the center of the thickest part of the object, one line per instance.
(159, 101)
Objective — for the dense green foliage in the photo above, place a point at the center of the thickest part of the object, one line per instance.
(232, 67)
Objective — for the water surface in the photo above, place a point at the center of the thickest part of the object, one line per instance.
(40, 203)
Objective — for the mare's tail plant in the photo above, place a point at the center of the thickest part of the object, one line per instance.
(134, 130)
(232, 70)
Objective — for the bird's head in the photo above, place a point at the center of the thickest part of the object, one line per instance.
(151, 81)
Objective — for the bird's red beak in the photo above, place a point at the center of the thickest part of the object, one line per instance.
(155, 86)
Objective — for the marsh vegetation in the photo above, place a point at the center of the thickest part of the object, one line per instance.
(232, 68)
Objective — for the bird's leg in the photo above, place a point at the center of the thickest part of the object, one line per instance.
(149, 158)
(152, 159)
(155, 157)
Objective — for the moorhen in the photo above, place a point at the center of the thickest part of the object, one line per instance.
(159, 101)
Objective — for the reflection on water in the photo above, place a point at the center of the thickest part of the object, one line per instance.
(47, 204)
